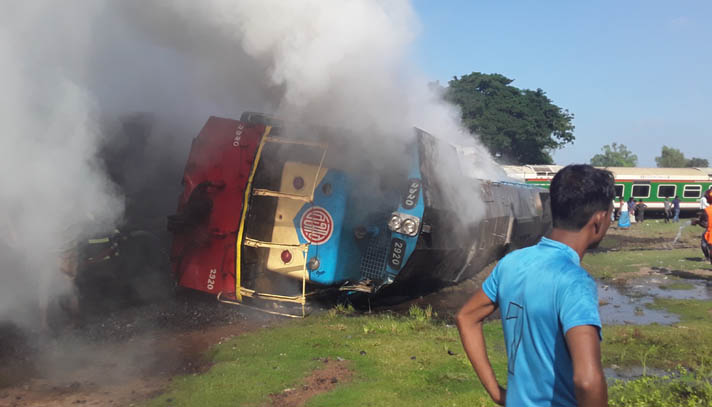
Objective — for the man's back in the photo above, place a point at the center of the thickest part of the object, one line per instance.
(548, 303)
(542, 292)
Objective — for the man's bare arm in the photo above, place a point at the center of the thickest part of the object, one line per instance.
(589, 380)
(469, 323)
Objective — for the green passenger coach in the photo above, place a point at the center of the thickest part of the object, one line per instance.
(652, 185)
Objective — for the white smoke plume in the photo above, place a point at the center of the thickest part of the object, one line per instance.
(52, 186)
(72, 70)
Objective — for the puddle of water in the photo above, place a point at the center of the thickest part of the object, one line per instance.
(620, 308)
(651, 286)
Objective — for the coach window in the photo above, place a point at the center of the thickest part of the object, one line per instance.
(666, 191)
(692, 191)
(641, 191)
(619, 191)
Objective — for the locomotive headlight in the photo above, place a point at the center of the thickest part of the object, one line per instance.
(404, 223)
(395, 222)
(409, 227)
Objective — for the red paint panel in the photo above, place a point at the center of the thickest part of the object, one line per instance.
(203, 253)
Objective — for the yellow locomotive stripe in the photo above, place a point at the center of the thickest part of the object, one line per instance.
(241, 231)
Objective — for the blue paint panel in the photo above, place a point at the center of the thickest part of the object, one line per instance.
(351, 203)
(339, 247)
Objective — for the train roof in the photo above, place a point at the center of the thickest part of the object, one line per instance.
(531, 171)
(702, 174)
(548, 171)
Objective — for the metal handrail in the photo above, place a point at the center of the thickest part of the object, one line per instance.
(247, 241)
(297, 142)
(277, 194)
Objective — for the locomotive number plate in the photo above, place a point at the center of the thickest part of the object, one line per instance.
(397, 253)
(410, 199)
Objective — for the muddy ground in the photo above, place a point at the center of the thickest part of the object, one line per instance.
(126, 356)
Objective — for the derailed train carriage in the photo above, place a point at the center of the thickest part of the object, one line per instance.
(273, 212)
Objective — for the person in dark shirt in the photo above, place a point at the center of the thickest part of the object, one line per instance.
(640, 211)
(676, 209)
(631, 210)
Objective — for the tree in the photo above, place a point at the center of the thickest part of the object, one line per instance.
(523, 126)
(674, 158)
(615, 155)
(671, 158)
(697, 162)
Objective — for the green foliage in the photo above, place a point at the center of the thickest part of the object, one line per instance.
(674, 158)
(615, 155)
(671, 158)
(421, 314)
(656, 346)
(697, 162)
(341, 309)
(523, 126)
(650, 391)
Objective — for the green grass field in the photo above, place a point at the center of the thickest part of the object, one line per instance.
(404, 361)
(397, 361)
(417, 359)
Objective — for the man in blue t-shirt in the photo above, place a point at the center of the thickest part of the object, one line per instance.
(676, 209)
(548, 303)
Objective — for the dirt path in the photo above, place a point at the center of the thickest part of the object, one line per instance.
(319, 381)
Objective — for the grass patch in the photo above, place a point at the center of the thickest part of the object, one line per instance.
(659, 346)
(678, 285)
(649, 391)
(397, 361)
(655, 229)
(611, 264)
(688, 310)
(687, 344)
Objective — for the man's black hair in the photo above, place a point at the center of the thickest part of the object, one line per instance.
(577, 192)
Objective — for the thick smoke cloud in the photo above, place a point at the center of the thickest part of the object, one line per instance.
(74, 71)
(52, 184)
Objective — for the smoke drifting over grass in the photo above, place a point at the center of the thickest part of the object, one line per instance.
(74, 70)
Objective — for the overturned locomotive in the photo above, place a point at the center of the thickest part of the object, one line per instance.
(278, 212)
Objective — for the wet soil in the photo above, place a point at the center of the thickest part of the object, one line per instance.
(618, 305)
(119, 358)
(623, 300)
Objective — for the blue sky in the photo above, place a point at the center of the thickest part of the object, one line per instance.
(632, 72)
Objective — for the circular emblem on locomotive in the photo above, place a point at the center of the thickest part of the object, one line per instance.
(316, 225)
